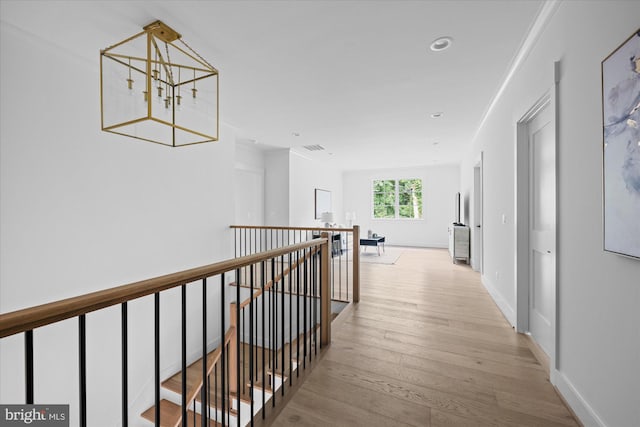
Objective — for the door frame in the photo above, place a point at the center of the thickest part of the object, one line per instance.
(522, 209)
(477, 249)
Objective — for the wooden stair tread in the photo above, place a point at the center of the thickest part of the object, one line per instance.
(171, 415)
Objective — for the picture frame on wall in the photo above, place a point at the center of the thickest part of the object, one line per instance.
(322, 202)
(621, 148)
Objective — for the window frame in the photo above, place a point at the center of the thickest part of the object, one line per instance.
(396, 204)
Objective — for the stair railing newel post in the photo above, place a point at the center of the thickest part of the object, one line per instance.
(325, 295)
(356, 263)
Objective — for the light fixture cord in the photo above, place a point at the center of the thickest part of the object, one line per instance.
(196, 54)
(169, 68)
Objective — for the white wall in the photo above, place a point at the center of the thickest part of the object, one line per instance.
(83, 210)
(306, 175)
(276, 202)
(598, 292)
(249, 180)
(440, 184)
(248, 157)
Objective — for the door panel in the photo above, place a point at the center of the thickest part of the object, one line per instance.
(542, 226)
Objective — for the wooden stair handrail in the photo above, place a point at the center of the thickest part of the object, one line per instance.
(277, 278)
(45, 314)
(277, 227)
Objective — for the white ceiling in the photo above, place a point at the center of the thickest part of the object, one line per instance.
(356, 77)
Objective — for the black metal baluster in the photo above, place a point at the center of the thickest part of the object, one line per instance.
(251, 343)
(304, 311)
(271, 311)
(244, 268)
(230, 403)
(298, 312)
(244, 350)
(340, 264)
(83, 369)
(28, 366)
(333, 282)
(273, 327)
(239, 367)
(282, 322)
(313, 301)
(262, 297)
(291, 316)
(215, 391)
(183, 320)
(156, 340)
(204, 399)
(347, 263)
(125, 366)
(223, 346)
(317, 303)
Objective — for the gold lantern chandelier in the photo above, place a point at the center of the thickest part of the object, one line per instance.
(155, 87)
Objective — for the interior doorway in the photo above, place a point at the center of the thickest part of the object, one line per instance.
(536, 210)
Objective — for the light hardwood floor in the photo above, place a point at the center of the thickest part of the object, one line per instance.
(426, 346)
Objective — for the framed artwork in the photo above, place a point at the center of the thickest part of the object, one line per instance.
(323, 202)
(621, 148)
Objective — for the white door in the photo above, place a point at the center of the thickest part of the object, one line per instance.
(542, 228)
(249, 197)
(476, 252)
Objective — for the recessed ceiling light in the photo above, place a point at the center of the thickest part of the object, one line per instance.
(295, 134)
(436, 143)
(437, 115)
(440, 44)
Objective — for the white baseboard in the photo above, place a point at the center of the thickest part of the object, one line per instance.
(507, 311)
(587, 415)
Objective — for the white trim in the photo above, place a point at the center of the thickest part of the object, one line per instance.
(501, 302)
(587, 415)
(542, 19)
(522, 206)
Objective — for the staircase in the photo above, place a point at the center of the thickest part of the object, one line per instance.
(288, 310)
(279, 367)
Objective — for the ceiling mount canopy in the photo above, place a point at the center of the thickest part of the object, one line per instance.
(155, 87)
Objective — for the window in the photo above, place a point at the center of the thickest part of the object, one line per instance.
(397, 198)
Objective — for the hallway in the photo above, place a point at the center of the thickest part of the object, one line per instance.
(426, 346)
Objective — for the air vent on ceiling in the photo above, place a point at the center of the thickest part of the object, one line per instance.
(314, 147)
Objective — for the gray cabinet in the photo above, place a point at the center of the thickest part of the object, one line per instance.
(459, 242)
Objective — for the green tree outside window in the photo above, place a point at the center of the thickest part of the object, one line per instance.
(397, 198)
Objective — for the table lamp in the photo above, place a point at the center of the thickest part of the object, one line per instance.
(327, 218)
